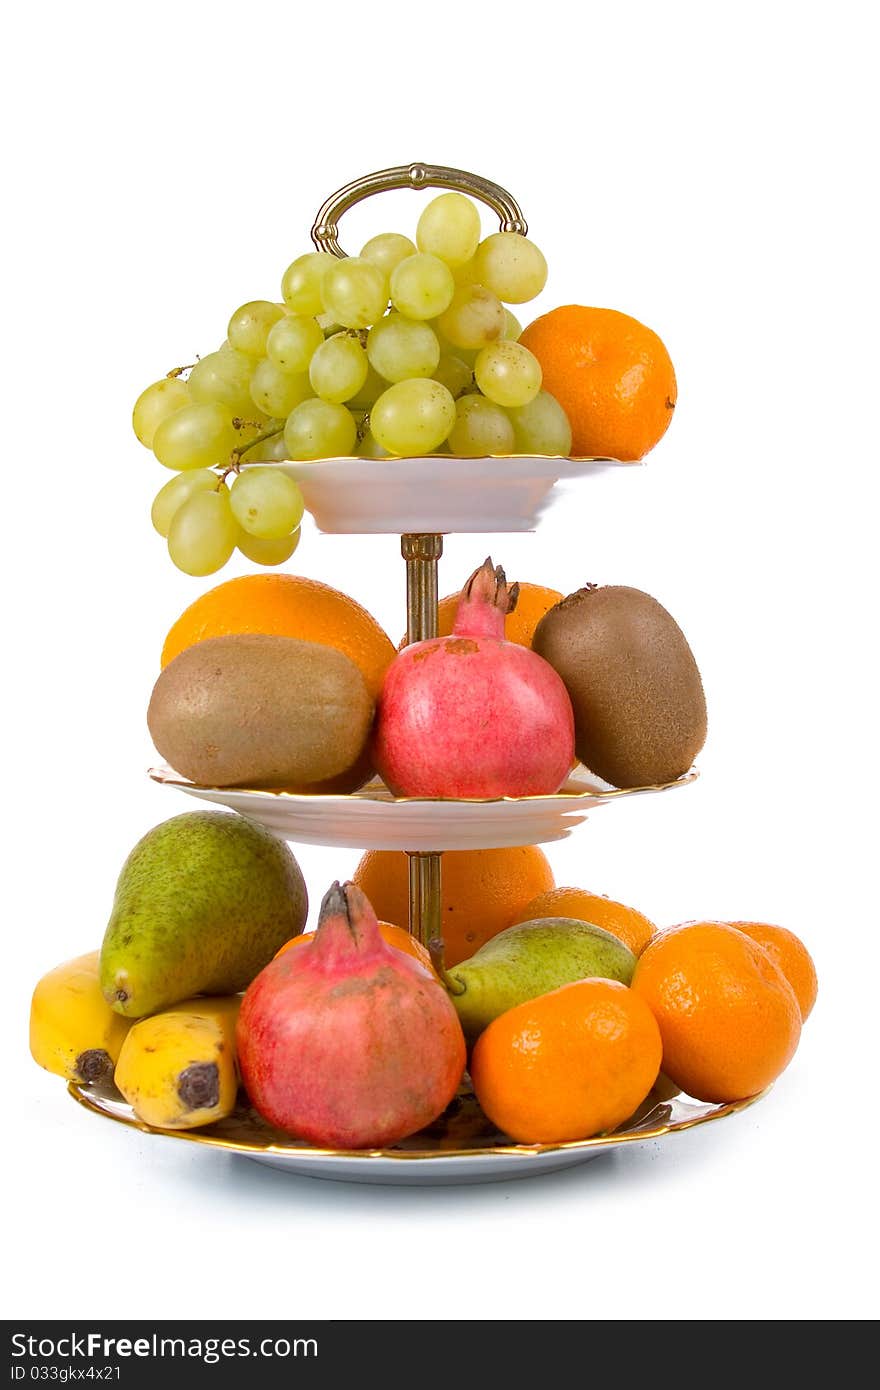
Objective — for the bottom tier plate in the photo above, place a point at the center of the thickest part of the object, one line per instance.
(374, 819)
(461, 1147)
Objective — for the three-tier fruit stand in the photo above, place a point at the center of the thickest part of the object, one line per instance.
(420, 500)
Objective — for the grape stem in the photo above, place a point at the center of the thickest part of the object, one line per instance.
(236, 456)
(178, 371)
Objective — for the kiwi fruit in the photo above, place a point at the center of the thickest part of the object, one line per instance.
(639, 706)
(259, 711)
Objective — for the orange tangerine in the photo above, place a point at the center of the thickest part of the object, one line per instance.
(792, 957)
(628, 925)
(568, 1064)
(728, 1017)
(286, 605)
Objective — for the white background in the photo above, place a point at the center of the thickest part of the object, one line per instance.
(708, 170)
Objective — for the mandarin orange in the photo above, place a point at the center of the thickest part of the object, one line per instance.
(728, 1017)
(482, 890)
(286, 605)
(628, 925)
(569, 1064)
(612, 376)
(519, 626)
(792, 957)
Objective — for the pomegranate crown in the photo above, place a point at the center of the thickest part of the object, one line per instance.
(344, 900)
(489, 584)
(346, 923)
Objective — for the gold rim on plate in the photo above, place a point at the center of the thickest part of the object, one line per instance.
(91, 1097)
(376, 792)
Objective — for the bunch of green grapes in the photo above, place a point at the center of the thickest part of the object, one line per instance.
(406, 349)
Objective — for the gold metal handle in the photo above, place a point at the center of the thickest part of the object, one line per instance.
(325, 232)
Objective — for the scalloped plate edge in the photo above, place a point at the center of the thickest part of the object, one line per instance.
(516, 1151)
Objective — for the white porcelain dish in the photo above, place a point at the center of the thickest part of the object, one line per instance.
(462, 1147)
(437, 493)
(374, 819)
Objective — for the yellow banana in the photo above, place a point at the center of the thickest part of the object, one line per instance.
(73, 1030)
(178, 1069)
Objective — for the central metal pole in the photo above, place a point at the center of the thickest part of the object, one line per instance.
(421, 553)
(424, 897)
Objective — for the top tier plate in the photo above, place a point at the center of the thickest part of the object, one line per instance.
(439, 493)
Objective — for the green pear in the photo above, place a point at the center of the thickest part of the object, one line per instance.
(529, 959)
(203, 902)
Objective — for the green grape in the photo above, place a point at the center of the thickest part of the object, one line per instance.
(453, 373)
(320, 429)
(155, 405)
(203, 533)
(511, 267)
(276, 392)
(196, 436)
(387, 251)
(249, 326)
(223, 377)
(447, 349)
(466, 274)
(266, 503)
(412, 417)
(272, 450)
(399, 348)
(449, 228)
(176, 491)
(508, 374)
(541, 427)
(268, 552)
(355, 292)
(481, 427)
(301, 282)
(338, 369)
(421, 286)
(370, 449)
(474, 318)
(371, 390)
(328, 325)
(292, 340)
(512, 327)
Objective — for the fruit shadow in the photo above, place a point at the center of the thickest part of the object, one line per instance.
(235, 1177)
(260, 1182)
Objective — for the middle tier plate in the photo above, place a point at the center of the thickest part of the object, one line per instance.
(437, 493)
(374, 819)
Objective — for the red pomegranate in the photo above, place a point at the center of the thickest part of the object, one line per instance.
(345, 1041)
(472, 715)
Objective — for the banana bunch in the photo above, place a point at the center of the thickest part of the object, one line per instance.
(177, 1069)
(74, 1032)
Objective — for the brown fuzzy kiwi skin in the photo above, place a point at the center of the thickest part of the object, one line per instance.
(638, 700)
(253, 710)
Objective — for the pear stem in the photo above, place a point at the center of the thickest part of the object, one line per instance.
(437, 952)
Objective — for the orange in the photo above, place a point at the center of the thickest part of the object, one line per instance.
(568, 1064)
(519, 626)
(483, 890)
(728, 1017)
(629, 926)
(792, 957)
(612, 376)
(286, 605)
(395, 936)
